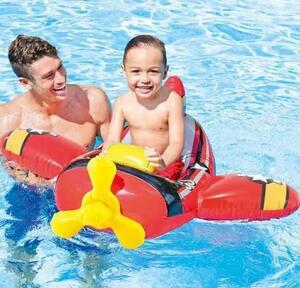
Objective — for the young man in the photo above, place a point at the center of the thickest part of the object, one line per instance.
(79, 113)
(76, 112)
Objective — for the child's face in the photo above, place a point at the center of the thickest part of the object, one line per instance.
(144, 70)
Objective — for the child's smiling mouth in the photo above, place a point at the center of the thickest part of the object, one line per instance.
(144, 89)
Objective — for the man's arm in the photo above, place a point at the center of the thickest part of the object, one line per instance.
(100, 109)
(24, 176)
(105, 117)
(116, 125)
(10, 118)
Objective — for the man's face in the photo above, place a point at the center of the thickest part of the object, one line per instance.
(49, 79)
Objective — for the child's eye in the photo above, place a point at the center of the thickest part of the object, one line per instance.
(135, 71)
(154, 71)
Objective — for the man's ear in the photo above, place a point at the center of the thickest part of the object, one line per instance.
(26, 83)
(166, 72)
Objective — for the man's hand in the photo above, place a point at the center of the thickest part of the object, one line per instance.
(27, 177)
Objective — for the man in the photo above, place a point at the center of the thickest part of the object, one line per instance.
(79, 113)
(76, 112)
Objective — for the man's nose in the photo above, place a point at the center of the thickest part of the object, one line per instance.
(60, 76)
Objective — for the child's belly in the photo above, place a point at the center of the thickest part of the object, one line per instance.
(155, 139)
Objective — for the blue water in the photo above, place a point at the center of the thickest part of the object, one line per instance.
(240, 64)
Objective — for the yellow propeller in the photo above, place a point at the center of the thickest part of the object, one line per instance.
(100, 209)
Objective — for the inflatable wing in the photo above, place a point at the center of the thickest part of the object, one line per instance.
(43, 153)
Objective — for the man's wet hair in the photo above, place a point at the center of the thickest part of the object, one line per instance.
(25, 50)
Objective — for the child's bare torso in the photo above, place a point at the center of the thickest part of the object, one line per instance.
(148, 125)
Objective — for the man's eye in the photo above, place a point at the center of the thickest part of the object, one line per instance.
(50, 76)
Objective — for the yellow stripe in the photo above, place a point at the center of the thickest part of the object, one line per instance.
(16, 140)
(275, 196)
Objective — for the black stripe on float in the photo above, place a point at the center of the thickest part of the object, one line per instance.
(24, 142)
(287, 197)
(263, 194)
(167, 189)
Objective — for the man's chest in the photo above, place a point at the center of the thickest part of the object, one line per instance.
(82, 132)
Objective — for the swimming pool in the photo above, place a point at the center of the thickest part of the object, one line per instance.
(240, 65)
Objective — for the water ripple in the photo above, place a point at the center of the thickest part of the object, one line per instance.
(239, 61)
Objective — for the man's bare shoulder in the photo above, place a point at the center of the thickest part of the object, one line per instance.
(10, 115)
(14, 105)
(99, 104)
(94, 95)
(94, 92)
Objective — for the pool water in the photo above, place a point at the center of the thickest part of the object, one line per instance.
(239, 61)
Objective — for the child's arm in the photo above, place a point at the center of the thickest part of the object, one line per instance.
(116, 125)
(176, 130)
(176, 135)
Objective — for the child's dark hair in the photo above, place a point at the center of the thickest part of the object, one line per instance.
(146, 40)
(25, 50)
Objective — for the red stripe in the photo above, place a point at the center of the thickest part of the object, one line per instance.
(125, 132)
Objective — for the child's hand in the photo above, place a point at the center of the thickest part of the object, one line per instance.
(154, 157)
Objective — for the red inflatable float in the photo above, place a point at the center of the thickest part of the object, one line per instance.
(150, 203)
